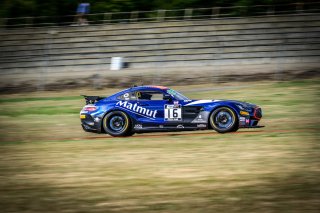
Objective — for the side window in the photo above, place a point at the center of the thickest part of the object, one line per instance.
(157, 96)
(127, 96)
(149, 95)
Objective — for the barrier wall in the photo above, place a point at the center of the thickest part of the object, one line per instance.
(255, 44)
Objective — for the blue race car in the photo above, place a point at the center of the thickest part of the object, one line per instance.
(156, 108)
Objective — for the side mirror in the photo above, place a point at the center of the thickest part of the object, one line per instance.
(167, 97)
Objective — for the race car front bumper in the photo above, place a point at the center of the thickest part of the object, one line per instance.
(250, 120)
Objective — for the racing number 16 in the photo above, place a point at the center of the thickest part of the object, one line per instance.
(172, 113)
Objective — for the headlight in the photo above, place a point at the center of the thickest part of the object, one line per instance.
(244, 108)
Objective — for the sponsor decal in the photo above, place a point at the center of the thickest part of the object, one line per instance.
(242, 119)
(201, 125)
(138, 126)
(247, 121)
(180, 126)
(126, 95)
(82, 116)
(200, 118)
(134, 108)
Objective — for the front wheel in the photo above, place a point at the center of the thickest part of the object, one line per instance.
(224, 120)
(117, 123)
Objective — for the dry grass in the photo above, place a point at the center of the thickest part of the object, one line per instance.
(48, 165)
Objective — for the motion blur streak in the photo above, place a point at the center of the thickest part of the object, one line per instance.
(49, 164)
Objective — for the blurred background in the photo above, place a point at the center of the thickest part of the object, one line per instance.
(48, 44)
(266, 52)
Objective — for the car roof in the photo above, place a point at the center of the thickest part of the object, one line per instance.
(135, 88)
(150, 87)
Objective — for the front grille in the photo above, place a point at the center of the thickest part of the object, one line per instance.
(258, 113)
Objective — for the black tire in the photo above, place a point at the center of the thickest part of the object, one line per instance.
(117, 124)
(235, 128)
(223, 120)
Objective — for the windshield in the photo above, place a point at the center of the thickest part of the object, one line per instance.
(178, 96)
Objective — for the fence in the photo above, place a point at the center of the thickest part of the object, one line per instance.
(165, 15)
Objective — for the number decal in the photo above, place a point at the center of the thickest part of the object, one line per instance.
(172, 113)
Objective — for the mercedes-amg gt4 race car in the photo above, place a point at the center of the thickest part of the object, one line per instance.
(156, 108)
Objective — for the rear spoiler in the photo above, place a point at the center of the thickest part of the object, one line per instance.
(92, 99)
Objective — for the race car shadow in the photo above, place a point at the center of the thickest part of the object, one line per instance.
(175, 134)
(194, 133)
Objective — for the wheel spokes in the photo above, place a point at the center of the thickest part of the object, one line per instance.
(117, 123)
(223, 119)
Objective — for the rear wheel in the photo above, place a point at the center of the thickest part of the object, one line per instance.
(224, 120)
(117, 123)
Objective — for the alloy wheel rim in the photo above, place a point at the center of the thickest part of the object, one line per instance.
(223, 119)
(117, 123)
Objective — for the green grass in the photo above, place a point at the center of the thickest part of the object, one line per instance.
(24, 99)
(48, 164)
(40, 110)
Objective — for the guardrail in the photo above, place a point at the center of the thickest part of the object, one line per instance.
(164, 15)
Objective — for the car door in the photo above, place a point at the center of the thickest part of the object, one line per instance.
(150, 107)
(152, 111)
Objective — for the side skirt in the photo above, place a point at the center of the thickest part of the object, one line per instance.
(169, 128)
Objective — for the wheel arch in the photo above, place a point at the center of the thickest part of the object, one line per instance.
(223, 105)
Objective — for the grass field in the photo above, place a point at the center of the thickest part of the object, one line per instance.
(48, 164)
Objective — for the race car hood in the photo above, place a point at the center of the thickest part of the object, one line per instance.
(201, 102)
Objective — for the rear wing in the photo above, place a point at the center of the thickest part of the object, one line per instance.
(92, 99)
